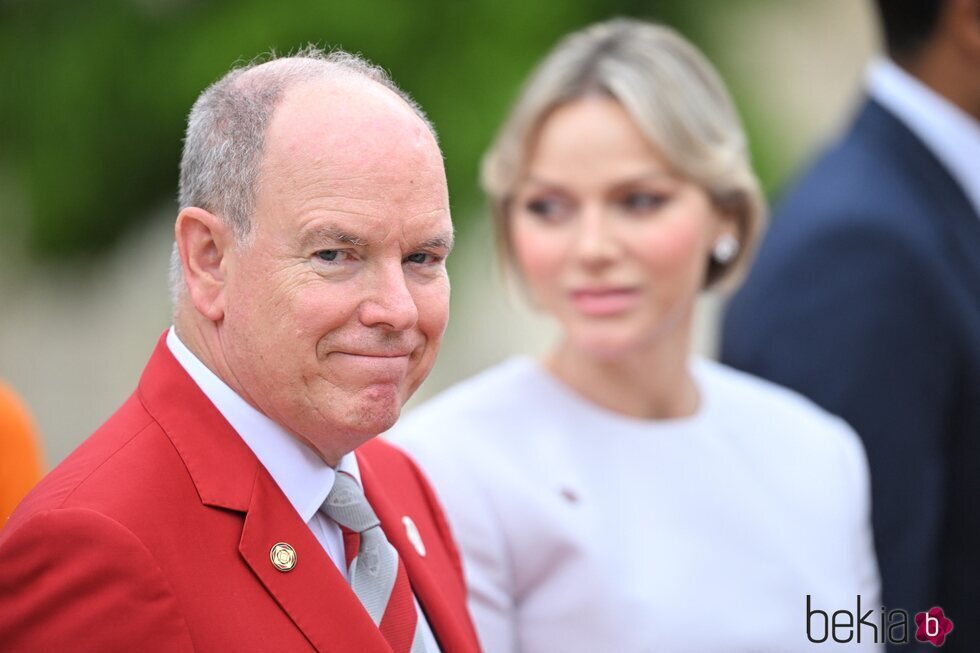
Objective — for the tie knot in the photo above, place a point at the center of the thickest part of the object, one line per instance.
(347, 505)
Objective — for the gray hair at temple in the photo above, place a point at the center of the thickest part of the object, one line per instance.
(671, 92)
(226, 130)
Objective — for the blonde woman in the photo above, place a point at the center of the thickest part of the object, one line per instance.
(620, 494)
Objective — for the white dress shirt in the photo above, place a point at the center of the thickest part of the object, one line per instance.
(950, 133)
(301, 474)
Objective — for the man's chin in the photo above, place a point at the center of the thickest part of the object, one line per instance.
(342, 437)
(378, 411)
(347, 421)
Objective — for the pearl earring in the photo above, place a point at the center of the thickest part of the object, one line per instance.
(725, 249)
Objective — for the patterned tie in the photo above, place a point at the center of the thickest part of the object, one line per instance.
(377, 574)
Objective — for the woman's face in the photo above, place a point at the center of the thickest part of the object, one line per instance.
(608, 238)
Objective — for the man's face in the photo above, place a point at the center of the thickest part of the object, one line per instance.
(337, 302)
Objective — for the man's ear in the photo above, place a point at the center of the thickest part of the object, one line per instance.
(204, 240)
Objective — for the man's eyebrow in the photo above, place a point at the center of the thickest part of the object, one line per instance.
(323, 233)
(442, 241)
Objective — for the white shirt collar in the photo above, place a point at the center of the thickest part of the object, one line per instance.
(950, 133)
(301, 474)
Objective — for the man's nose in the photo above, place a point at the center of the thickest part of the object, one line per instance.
(595, 242)
(389, 303)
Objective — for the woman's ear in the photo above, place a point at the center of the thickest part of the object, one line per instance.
(728, 231)
(727, 240)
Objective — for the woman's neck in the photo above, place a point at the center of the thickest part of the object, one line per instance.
(654, 383)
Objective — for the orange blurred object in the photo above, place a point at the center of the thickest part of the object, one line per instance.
(20, 456)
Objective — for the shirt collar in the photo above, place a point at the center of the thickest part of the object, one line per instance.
(299, 472)
(950, 133)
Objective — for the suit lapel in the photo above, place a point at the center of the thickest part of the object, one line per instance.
(437, 607)
(314, 594)
(227, 475)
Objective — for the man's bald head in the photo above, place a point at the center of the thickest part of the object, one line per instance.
(227, 127)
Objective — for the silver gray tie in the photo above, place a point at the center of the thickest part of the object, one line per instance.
(374, 571)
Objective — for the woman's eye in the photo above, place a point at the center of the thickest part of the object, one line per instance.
(640, 202)
(541, 206)
(546, 208)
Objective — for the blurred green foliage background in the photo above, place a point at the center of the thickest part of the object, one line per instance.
(94, 93)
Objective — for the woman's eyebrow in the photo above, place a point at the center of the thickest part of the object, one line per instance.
(653, 175)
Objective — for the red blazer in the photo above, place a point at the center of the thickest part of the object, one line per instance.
(155, 535)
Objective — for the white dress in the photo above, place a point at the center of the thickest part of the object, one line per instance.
(586, 530)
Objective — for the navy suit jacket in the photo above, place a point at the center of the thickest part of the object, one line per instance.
(865, 296)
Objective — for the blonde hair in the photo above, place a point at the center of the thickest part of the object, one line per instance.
(673, 94)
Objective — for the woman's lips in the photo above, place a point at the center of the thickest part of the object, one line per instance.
(601, 302)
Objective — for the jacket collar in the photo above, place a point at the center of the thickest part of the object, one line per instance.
(220, 464)
(299, 472)
(227, 475)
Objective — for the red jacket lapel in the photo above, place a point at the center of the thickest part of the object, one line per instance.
(227, 475)
(313, 593)
(427, 585)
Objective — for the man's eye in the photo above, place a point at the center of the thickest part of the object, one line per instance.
(422, 258)
(328, 254)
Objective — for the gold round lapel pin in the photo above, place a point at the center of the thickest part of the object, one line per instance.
(283, 557)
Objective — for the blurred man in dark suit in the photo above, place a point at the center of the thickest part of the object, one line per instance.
(866, 297)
